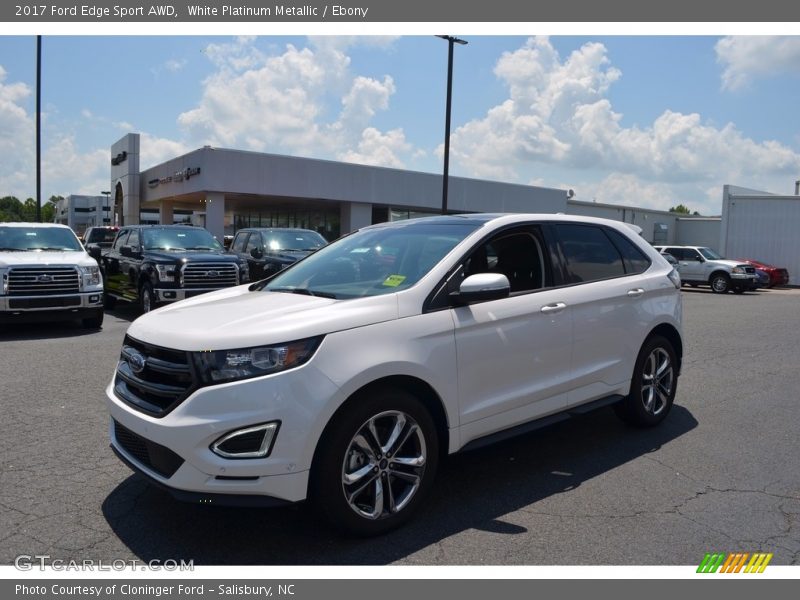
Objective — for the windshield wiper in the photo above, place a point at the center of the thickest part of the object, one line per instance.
(304, 292)
(201, 248)
(8, 249)
(164, 248)
(54, 249)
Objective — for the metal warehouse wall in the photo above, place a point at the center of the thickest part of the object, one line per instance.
(699, 232)
(643, 217)
(762, 227)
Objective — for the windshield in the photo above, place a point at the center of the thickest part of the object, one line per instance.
(45, 239)
(372, 261)
(709, 254)
(293, 240)
(184, 238)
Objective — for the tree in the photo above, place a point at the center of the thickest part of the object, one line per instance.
(10, 209)
(681, 208)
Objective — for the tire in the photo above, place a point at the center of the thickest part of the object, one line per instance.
(720, 283)
(95, 322)
(648, 404)
(109, 302)
(352, 467)
(147, 298)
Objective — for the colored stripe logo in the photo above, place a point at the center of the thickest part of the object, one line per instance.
(736, 562)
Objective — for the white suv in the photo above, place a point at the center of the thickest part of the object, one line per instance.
(346, 377)
(698, 265)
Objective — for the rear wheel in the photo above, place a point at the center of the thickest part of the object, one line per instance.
(376, 463)
(653, 384)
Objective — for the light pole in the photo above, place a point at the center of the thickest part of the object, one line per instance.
(38, 129)
(106, 207)
(450, 41)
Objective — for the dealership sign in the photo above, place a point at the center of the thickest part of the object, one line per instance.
(186, 173)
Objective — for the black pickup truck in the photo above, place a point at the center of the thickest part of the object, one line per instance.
(154, 264)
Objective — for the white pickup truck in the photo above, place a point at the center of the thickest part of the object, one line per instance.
(47, 275)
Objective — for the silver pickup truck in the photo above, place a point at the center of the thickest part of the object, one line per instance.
(699, 265)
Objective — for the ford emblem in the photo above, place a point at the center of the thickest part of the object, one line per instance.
(45, 278)
(137, 361)
(212, 274)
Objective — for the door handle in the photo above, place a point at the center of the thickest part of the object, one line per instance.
(553, 308)
(635, 293)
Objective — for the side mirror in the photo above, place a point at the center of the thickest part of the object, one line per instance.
(257, 253)
(94, 251)
(482, 287)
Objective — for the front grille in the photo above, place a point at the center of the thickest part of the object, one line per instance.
(210, 275)
(158, 458)
(750, 270)
(152, 379)
(43, 281)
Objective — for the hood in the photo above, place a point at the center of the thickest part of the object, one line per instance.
(42, 259)
(238, 318)
(192, 256)
(731, 263)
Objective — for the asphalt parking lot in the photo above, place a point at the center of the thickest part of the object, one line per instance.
(721, 474)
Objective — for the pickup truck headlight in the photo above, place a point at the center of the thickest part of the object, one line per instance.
(219, 366)
(90, 276)
(738, 270)
(165, 272)
(244, 272)
(3, 281)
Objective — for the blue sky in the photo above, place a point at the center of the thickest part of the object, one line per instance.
(642, 120)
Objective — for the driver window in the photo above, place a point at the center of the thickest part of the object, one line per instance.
(519, 255)
(253, 243)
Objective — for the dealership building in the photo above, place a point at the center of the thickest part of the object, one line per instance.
(225, 190)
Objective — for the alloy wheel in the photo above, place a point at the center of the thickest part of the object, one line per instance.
(657, 381)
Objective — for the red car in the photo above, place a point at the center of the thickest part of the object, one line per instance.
(777, 275)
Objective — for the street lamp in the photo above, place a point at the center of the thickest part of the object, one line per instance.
(450, 41)
(106, 207)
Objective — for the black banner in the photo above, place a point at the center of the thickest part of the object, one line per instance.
(411, 11)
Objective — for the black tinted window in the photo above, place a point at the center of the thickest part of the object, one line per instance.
(634, 259)
(120, 241)
(589, 253)
(516, 254)
(238, 243)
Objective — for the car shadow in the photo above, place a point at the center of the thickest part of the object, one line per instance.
(44, 330)
(474, 490)
(125, 311)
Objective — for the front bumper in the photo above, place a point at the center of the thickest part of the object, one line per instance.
(49, 308)
(299, 399)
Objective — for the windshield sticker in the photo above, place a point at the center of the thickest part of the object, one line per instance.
(359, 250)
(394, 280)
(181, 235)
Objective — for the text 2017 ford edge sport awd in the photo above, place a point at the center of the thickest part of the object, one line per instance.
(346, 377)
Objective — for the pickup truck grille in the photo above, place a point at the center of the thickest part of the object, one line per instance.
(152, 379)
(750, 270)
(43, 281)
(210, 275)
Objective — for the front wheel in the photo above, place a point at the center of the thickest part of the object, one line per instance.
(653, 385)
(93, 322)
(376, 463)
(147, 297)
(720, 283)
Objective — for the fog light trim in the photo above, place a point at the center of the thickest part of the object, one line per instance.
(270, 432)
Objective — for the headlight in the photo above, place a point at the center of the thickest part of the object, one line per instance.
(4, 281)
(244, 272)
(737, 270)
(218, 366)
(91, 276)
(166, 272)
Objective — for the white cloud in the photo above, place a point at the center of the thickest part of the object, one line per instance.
(66, 170)
(746, 58)
(173, 65)
(17, 168)
(156, 150)
(281, 102)
(558, 115)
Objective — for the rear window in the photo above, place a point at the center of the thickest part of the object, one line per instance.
(633, 259)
